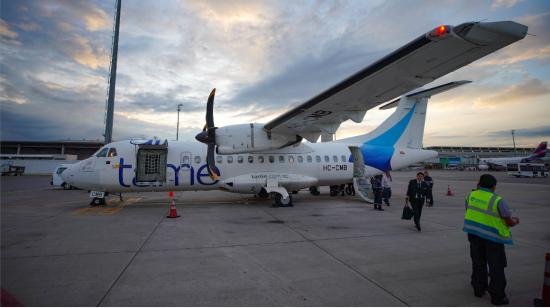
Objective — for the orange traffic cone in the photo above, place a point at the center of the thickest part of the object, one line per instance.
(173, 212)
(449, 192)
(545, 301)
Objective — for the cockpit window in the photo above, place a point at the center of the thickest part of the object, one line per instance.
(102, 152)
(112, 152)
(60, 170)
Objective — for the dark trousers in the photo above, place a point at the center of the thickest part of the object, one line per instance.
(377, 198)
(417, 205)
(387, 195)
(485, 253)
(430, 197)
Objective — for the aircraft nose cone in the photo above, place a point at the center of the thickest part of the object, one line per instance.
(67, 175)
(202, 137)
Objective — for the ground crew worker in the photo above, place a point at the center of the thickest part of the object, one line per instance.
(487, 222)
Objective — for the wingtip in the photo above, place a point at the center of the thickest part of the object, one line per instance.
(213, 92)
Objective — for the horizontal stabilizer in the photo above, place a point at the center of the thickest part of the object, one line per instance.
(427, 93)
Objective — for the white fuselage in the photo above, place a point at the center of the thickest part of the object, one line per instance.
(298, 166)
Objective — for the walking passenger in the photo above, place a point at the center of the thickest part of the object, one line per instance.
(416, 194)
(429, 196)
(376, 182)
(386, 187)
(487, 221)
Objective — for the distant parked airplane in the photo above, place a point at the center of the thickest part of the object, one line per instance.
(537, 155)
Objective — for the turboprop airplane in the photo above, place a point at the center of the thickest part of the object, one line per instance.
(272, 159)
(538, 154)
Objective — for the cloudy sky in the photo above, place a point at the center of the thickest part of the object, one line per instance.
(262, 56)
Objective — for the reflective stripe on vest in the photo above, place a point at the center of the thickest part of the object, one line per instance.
(482, 217)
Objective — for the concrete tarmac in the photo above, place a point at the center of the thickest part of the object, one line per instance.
(235, 250)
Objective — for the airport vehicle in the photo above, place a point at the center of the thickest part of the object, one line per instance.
(272, 159)
(57, 180)
(528, 170)
(494, 162)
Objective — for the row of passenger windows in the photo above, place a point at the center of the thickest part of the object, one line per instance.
(271, 159)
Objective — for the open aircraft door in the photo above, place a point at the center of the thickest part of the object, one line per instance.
(151, 162)
(361, 180)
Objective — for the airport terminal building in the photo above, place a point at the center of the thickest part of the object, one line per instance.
(42, 157)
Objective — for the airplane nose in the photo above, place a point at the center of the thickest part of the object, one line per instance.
(67, 175)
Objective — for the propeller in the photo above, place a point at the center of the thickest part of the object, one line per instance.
(208, 136)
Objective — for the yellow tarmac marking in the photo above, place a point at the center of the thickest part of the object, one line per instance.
(113, 206)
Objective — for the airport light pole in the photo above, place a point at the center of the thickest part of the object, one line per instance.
(178, 125)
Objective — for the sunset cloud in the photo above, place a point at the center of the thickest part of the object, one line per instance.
(263, 57)
(515, 94)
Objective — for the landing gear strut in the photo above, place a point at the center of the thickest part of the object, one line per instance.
(280, 201)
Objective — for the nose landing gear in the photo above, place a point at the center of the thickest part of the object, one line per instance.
(98, 201)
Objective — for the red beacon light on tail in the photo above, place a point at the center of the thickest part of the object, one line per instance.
(439, 32)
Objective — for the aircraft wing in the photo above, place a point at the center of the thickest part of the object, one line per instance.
(432, 55)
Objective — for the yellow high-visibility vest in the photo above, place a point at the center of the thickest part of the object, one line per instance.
(483, 219)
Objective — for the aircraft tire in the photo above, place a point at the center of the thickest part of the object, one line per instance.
(314, 190)
(280, 201)
(263, 194)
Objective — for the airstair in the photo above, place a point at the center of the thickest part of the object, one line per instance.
(361, 180)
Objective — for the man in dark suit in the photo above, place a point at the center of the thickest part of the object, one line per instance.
(416, 194)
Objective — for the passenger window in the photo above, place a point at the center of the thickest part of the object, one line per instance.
(229, 159)
(300, 159)
(271, 159)
(309, 159)
(291, 159)
(318, 158)
(102, 153)
(250, 159)
(261, 159)
(112, 152)
(281, 159)
(240, 159)
(327, 159)
(343, 158)
(197, 159)
(335, 158)
(219, 159)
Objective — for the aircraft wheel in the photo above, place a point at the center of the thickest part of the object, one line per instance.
(97, 201)
(280, 201)
(314, 190)
(263, 194)
(65, 186)
(349, 190)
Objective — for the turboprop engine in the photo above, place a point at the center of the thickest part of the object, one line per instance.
(235, 139)
(248, 138)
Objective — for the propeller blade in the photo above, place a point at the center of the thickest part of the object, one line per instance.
(210, 162)
(210, 109)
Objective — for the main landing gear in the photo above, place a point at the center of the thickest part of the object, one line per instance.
(280, 201)
(314, 190)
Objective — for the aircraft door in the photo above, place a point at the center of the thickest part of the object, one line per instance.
(151, 163)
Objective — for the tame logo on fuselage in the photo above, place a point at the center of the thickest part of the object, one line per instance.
(201, 175)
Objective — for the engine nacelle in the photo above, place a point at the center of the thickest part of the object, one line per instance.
(254, 182)
(247, 138)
